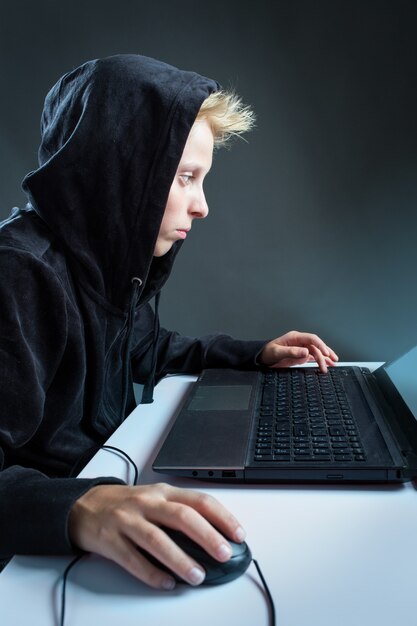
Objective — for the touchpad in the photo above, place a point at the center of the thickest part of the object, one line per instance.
(221, 398)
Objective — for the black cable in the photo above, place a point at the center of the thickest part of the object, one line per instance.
(268, 593)
(80, 556)
(131, 461)
(64, 585)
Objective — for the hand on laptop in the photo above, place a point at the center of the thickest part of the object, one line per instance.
(115, 520)
(295, 348)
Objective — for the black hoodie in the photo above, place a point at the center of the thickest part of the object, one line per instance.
(77, 275)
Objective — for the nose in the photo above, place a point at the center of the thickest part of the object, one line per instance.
(199, 207)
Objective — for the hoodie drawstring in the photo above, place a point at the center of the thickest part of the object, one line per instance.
(136, 285)
(147, 395)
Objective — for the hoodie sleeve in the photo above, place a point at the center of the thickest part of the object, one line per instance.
(34, 508)
(178, 353)
(182, 354)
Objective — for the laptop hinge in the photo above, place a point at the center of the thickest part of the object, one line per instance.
(395, 438)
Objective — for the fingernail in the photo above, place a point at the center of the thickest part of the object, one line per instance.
(240, 534)
(168, 584)
(224, 552)
(196, 576)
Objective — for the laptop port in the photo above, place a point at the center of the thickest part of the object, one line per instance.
(228, 474)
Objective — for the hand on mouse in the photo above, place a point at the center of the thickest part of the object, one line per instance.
(295, 348)
(114, 520)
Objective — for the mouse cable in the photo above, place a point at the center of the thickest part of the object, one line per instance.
(64, 585)
(261, 576)
(80, 556)
(127, 457)
(268, 593)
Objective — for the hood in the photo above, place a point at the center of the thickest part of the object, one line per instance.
(113, 132)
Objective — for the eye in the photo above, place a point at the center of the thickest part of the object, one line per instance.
(186, 178)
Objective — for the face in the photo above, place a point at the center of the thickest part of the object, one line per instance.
(186, 200)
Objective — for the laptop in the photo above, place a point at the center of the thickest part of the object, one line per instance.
(297, 425)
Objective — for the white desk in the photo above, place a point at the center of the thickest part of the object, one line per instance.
(331, 554)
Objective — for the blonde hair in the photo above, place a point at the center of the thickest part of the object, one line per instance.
(227, 115)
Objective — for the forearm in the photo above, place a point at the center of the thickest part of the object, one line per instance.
(177, 353)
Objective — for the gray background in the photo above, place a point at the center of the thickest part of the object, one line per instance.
(313, 221)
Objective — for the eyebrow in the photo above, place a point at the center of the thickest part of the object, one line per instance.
(192, 165)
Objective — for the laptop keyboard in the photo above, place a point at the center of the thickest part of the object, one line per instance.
(304, 415)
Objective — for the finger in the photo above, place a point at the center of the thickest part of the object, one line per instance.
(324, 348)
(124, 552)
(320, 358)
(196, 527)
(314, 340)
(202, 518)
(290, 354)
(160, 550)
(310, 339)
(330, 362)
(210, 509)
(333, 355)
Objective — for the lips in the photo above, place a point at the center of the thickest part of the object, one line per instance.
(182, 232)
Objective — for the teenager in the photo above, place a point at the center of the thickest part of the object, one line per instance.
(126, 144)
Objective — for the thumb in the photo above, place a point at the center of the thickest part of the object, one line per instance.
(282, 354)
(295, 352)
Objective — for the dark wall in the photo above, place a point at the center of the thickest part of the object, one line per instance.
(313, 222)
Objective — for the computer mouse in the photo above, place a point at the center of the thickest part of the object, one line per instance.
(216, 573)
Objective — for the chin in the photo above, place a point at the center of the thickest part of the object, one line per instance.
(162, 250)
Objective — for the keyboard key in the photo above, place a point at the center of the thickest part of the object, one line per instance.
(318, 432)
(340, 451)
(300, 440)
(336, 431)
(263, 457)
(282, 446)
(301, 431)
(284, 426)
(281, 451)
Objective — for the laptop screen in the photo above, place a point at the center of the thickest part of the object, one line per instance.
(403, 374)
